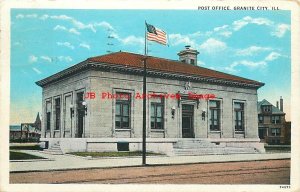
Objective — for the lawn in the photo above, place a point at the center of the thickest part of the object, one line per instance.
(113, 154)
(26, 147)
(278, 148)
(14, 155)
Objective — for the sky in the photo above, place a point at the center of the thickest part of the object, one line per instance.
(250, 44)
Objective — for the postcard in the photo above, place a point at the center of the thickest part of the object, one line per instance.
(149, 96)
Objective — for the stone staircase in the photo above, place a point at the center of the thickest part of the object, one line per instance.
(54, 149)
(203, 147)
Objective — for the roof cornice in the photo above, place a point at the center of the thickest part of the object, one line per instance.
(87, 64)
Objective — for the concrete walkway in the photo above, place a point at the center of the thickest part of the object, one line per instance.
(65, 162)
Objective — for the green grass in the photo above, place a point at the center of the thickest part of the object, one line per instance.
(25, 147)
(113, 154)
(14, 155)
(278, 148)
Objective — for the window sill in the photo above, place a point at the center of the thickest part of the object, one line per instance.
(239, 131)
(123, 129)
(157, 130)
(57, 130)
(214, 131)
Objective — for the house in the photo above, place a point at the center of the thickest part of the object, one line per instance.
(97, 105)
(272, 126)
(26, 131)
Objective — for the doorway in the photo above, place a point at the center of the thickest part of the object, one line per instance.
(188, 121)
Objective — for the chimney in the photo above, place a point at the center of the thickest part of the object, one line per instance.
(188, 55)
(281, 104)
(277, 104)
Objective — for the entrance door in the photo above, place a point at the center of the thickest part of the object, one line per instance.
(188, 121)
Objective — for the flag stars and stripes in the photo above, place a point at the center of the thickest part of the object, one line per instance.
(156, 34)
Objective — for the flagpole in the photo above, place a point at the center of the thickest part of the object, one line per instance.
(144, 98)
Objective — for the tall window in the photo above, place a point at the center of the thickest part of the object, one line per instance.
(122, 119)
(214, 115)
(239, 116)
(275, 131)
(57, 114)
(48, 121)
(48, 115)
(275, 119)
(157, 114)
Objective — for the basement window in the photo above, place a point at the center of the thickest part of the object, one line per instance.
(123, 146)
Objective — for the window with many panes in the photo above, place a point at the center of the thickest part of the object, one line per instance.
(157, 114)
(275, 131)
(122, 115)
(239, 116)
(275, 119)
(214, 115)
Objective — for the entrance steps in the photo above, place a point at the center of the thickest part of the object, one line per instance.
(204, 147)
(54, 149)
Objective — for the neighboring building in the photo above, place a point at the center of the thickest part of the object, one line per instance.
(26, 131)
(287, 135)
(272, 127)
(227, 122)
(15, 132)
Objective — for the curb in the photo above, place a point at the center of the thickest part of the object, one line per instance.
(147, 165)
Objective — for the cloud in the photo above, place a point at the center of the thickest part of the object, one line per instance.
(200, 63)
(239, 24)
(226, 33)
(246, 63)
(29, 16)
(76, 23)
(221, 28)
(63, 28)
(212, 45)
(20, 16)
(85, 45)
(251, 64)
(65, 44)
(178, 39)
(74, 31)
(273, 56)
(65, 58)
(105, 25)
(60, 27)
(252, 50)
(280, 30)
(46, 58)
(32, 59)
(131, 40)
(36, 70)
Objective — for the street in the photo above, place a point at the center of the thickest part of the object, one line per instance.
(252, 172)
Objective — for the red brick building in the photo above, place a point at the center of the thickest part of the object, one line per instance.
(272, 126)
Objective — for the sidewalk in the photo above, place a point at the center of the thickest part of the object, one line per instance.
(65, 162)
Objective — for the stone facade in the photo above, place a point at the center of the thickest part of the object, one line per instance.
(92, 121)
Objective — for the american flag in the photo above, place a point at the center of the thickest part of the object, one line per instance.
(156, 34)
